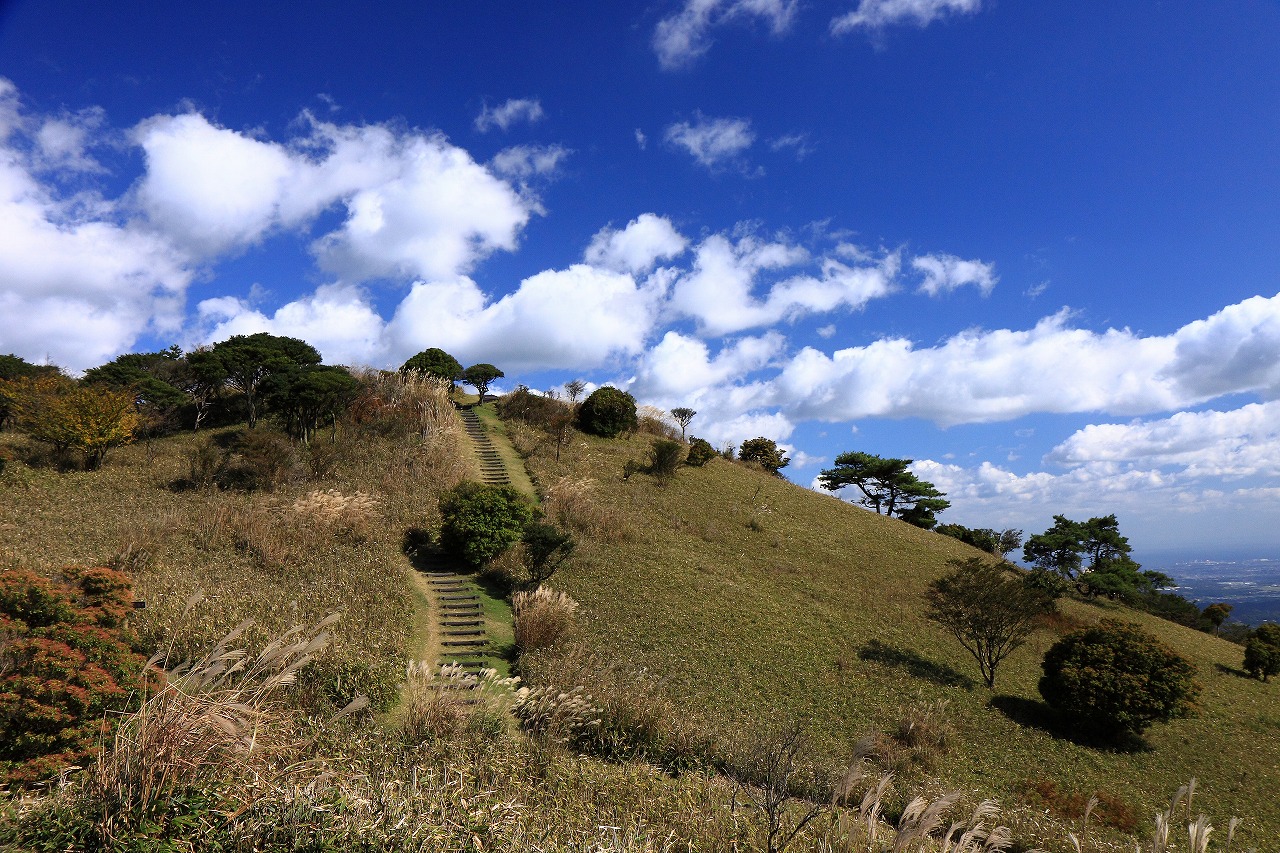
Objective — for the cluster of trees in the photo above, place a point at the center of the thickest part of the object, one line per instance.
(998, 543)
(436, 362)
(887, 486)
(1109, 681)
(242, 377)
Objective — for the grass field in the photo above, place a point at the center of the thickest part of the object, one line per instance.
(725, 597)
(754, 599)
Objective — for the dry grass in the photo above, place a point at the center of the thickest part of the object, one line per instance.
(443, 703)
(542, 617)
(218, 719)
(572, 503)
(348, 517)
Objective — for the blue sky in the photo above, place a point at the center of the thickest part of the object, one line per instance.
(1032, 246)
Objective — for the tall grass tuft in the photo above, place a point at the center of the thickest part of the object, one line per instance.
(348, 517)
(542, 617)
(573, 503)
(442, 703)
(218, 719)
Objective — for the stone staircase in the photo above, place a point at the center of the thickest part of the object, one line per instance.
(459, 616)
(492, 470)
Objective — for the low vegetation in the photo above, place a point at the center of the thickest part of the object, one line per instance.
(726, 661)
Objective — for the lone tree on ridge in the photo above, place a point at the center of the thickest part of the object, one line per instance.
(988, 611)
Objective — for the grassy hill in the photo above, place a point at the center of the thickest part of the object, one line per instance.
(728, 597)
(753, 599)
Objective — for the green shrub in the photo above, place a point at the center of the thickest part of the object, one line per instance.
(546, 547)
(700, 452)
(607, 412)
(665, 457)
(1047, 581)
(1114, 680)
(479, 522)
(1262, 651)
(534, 409)
(66, 667)
(763, 452)
(434, 362)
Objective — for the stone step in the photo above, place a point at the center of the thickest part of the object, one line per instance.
(459, 598)
(460, 623)
(459, 633)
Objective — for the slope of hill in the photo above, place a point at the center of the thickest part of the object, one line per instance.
(755, 600)
(751, 602)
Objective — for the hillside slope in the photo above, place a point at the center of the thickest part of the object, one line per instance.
(756, 600)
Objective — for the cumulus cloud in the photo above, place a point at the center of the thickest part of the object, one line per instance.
(1233, 444)
(436, 214)
(511, 112)
(680, 370)
(523, 162)
(79, 282)
(1238, 348)
(719, 290)
(681, 38)
(983, 376)
(337, 320)
(578, 318)
(945, 273)
(209, 187)
(713, 142)
(1153, 474)
(64, 142)
(877, 14)
(647, 239)
(416, 205)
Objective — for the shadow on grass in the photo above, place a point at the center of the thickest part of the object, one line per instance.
(1231, 670)
(915, 664)
(1034, 714)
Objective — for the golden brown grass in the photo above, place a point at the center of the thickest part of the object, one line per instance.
(542, 617)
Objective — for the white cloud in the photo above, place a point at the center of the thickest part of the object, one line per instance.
(713, 142)
(523, 162)
(416, 205)
(797, 143)
(209, 187)
(1236, 349)
(436, 216)
(579, 318)
(719, 291)
(945, 273)
(1156, 476)
(513, 111)
(983, 376)
(1244, 442)
(642, 141)
(681, 38)
(337, 320)
(79, 282)
(876, 14)
(64, 142)
(646, 240)
(679, 370)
